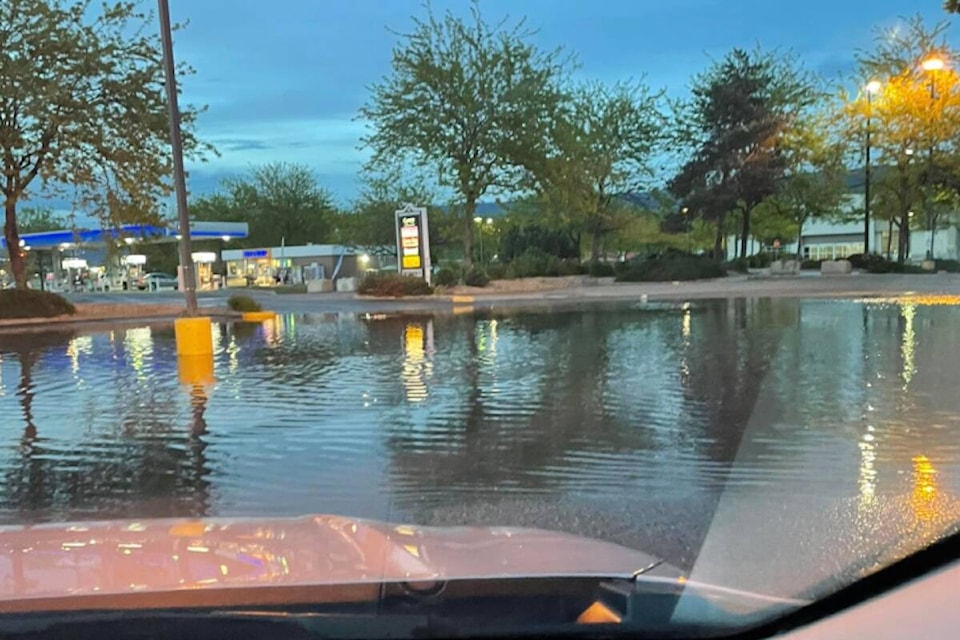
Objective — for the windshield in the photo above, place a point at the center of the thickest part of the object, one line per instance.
(395, 310)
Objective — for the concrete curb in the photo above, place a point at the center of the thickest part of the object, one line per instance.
(67, 322)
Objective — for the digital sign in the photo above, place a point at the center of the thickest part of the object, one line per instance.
(413, 242)
(255, 253)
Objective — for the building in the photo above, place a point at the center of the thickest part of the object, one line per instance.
(267, 266)
(108, 258)
(823, 239)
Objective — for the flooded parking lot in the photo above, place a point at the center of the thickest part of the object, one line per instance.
(648, 425)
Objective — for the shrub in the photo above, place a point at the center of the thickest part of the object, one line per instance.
(446, 278)
(600, 270)
(534, 263)
(476, 277)
(952, 266)
(811, 264)
(741, 265)
(672, 268)
(878, 264)
(28, 303)
(759, 260)
(243, 303)
(571, 268)
(858, 260)
(393, 285)
(496, 271)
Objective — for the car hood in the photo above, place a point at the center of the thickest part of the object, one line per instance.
(158, 562)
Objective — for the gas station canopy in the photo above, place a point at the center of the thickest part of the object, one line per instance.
(68, 238)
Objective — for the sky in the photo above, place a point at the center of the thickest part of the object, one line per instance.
(283, 80)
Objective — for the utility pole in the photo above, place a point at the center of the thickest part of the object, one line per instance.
(188, 279)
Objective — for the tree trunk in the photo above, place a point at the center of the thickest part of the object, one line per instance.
(470, 210)
(800, 238)
(744, 232)
(595, 240)
(12, 236)
(889, 237)
(718, 240)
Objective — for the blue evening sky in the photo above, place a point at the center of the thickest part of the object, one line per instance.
(284, 79)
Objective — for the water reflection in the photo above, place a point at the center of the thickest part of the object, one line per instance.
(621, 421)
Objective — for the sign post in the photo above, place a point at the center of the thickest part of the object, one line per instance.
(413, 242)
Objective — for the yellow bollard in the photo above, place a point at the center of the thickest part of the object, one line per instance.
(195, 370)
(194, 337)
(258, 316)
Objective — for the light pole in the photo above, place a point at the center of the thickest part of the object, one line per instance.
(872, 88)
(479, 221)
(931, 65)
(176, 142)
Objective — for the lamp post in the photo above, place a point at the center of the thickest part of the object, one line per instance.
(873, 87)
(479, 221)
(931, 65)
(176, 142)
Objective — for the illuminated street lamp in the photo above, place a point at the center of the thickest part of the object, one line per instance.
(872, 88)
(931, 64)
(479, 221)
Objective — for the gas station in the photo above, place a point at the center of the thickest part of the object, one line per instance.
(107, 258)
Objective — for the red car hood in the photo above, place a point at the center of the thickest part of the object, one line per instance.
(155, 563)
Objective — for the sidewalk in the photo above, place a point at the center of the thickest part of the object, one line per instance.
(93, 309)
(109, 312)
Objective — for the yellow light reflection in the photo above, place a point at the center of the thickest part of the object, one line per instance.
(908, 344)
(868, 471)
(139, 345)
(922, 499)
(415, 365)
(80, 345)
(493, 336)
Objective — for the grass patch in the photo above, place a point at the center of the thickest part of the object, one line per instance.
(290, 288)
(243, 303)
(28, 303)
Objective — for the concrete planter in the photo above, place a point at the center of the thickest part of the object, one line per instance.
(836, 267)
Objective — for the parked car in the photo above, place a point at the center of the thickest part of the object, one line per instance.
(157, 281)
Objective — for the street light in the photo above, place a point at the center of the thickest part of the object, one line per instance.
(931, 64)
(179, 174)
(479, 221)
(872, 88)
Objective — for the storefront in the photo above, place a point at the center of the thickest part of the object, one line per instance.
(270, 266)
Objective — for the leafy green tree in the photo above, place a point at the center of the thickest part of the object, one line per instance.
(734, 123)
(370, 223)
(37, 219)
(281, 202)
(602, 146)
(82, 104)
(814, 186)
(467, 99)
(915, 117)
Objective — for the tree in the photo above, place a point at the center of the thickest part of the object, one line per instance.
(371, 223)
(82, 104)
(468, 100)
(601, 149)
(35, 220)
(281, 202)
(735, 121)
(915, 119)
(814, 184)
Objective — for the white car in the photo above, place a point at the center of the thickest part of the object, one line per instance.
(157, 281)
